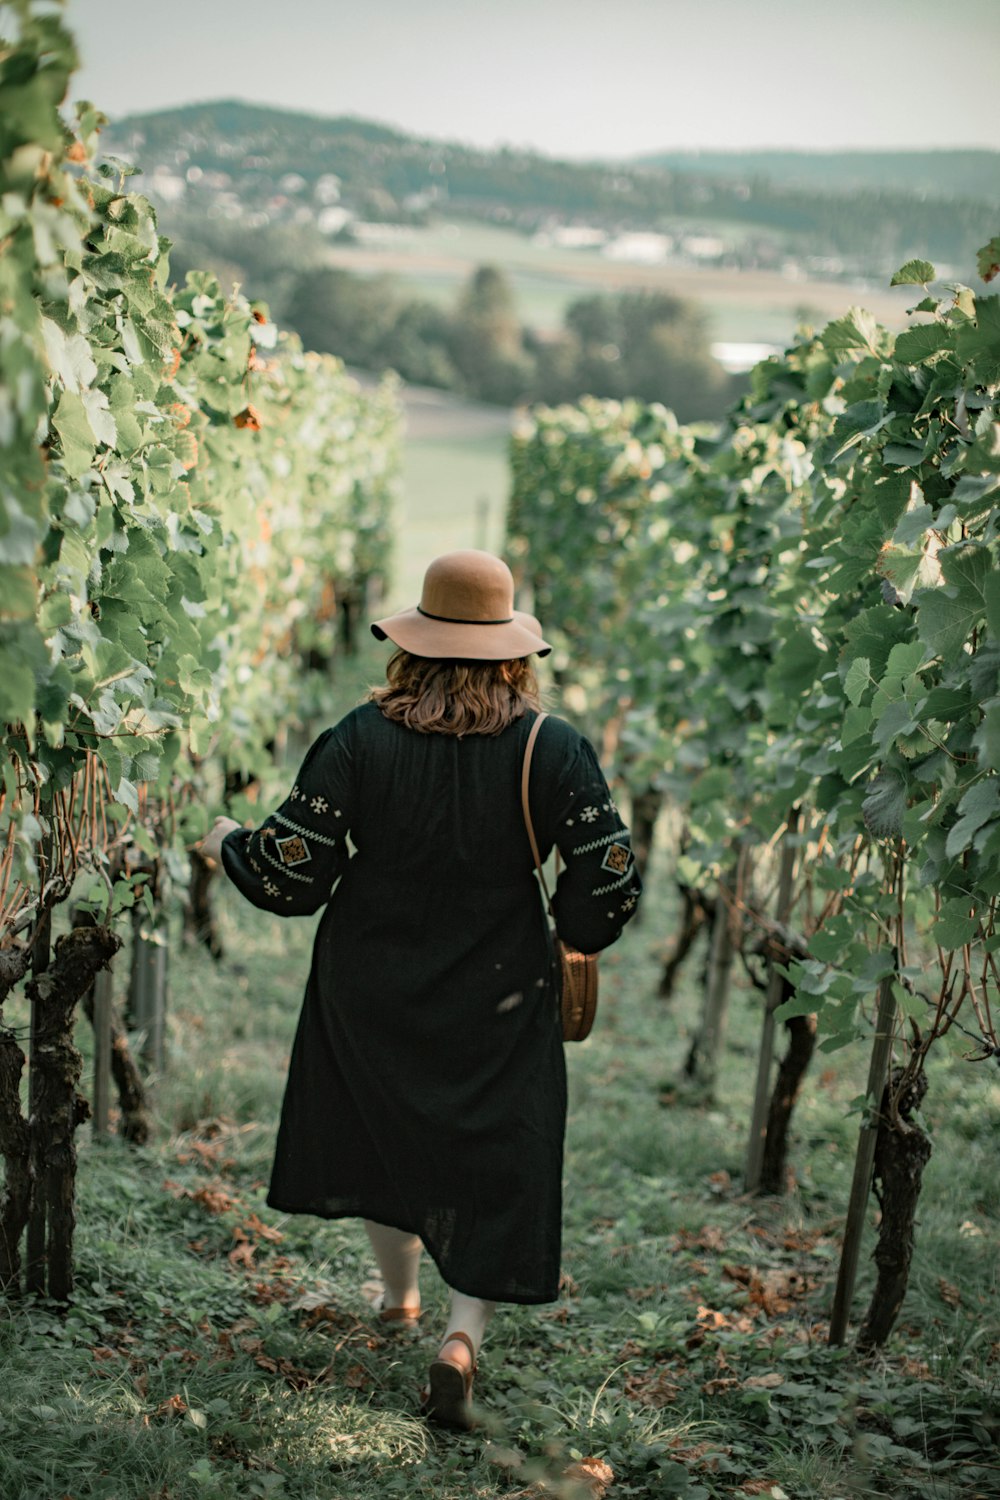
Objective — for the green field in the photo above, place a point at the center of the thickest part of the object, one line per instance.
(454, 483)
(749, 307)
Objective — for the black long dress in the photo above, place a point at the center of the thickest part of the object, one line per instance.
(427, 1085)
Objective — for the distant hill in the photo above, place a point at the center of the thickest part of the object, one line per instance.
(240, 160)
(941, 174)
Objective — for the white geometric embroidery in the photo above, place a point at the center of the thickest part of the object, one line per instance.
(616, 885)
(589, 815)
(628, 905)
(319, 805)
(320, 838)
(271, 888)
(607, 838)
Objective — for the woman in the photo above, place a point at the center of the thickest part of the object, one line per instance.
(427, 1092)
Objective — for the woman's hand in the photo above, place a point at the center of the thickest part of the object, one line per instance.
(211, 845)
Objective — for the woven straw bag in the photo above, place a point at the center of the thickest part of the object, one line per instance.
(577, 971)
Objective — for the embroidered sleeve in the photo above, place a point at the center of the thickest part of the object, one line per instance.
(290, 863)
(597, 892)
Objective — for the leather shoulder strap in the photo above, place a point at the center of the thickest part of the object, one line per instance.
(525, 779)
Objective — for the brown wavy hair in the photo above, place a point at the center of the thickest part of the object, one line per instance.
(456, 697)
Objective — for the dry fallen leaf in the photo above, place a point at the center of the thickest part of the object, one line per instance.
(242, 1254)
(721, 1384)
(652, 1388)
(263, 1231)
(949, 1293)
(215, 1200)
(766, 1382)
(593, 1474)
(172, 1407)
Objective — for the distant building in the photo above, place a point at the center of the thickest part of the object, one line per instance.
(703, 246)
(572, 237)
(645, 249)
(327, 189)
(738, 358)
(332, 220)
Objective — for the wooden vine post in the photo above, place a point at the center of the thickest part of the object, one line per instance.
(775, 995)
(707, 1043)
(102, 1000)
(148, 987)
(864, 1161)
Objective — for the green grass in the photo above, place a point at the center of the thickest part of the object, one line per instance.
(217, 1349)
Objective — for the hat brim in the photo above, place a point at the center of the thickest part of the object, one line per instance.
(460, 640)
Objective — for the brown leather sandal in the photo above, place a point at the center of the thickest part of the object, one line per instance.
(448, 1399)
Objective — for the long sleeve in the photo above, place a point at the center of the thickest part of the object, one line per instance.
(290, 863)
(597, 892)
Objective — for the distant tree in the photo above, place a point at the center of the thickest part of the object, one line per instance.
(647, 344)
(487, 345)
(339, 313)
(417, 346)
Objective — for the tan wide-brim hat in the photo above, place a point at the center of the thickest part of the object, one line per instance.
(466, 612)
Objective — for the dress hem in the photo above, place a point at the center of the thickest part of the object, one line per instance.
(526, 1300)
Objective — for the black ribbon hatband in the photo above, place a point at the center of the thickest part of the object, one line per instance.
(450, 620)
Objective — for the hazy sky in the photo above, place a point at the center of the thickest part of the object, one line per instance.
(569, 77)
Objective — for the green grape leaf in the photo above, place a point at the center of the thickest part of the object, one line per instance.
(18, 593)
(858, 329)
(979, 342)
(988, 739)
(954, 928)
(69, 356)
(902, 455)
(858, 679)
(76, 435)
(947, 616)
(102, 423)
(914, 273)
(979, 805)
(916, 344)
(885, 804)
(991, 594)
(896, 719)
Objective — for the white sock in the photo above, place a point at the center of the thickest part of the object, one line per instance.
(398, 1257)
(469, 1315)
